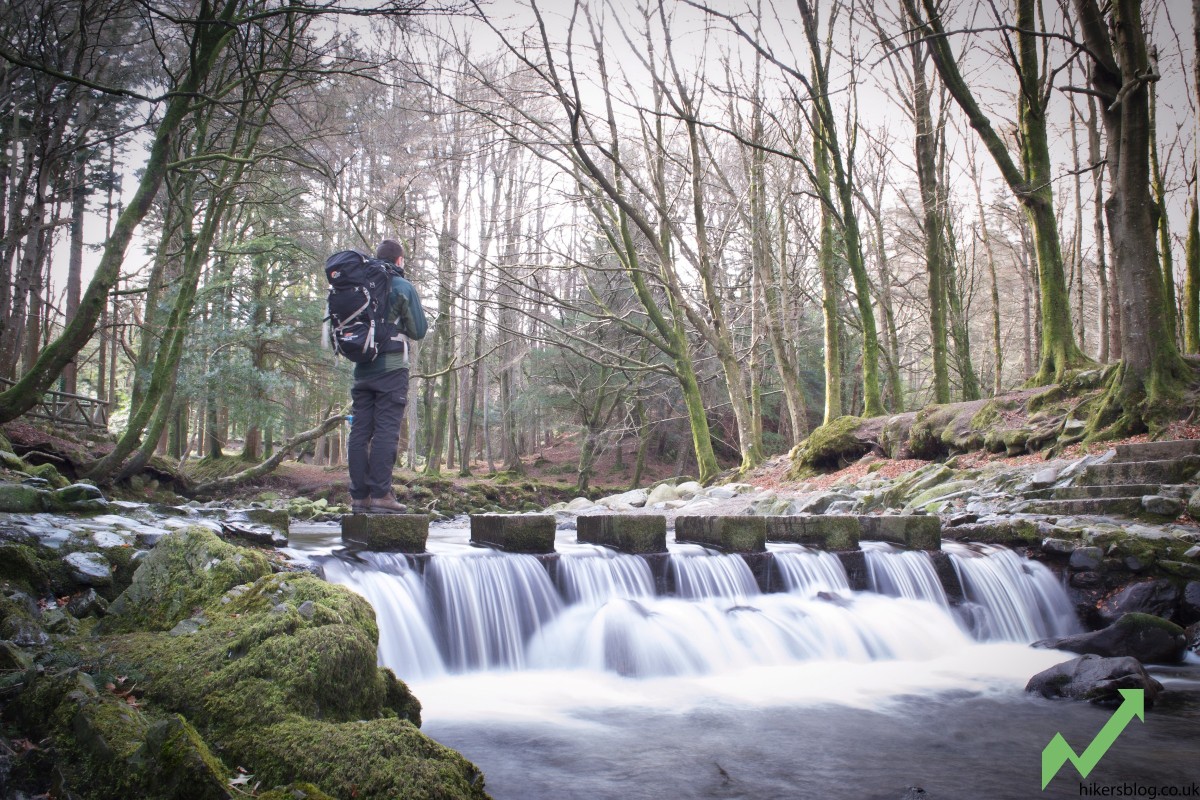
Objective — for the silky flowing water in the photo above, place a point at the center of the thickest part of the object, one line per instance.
(580, 681)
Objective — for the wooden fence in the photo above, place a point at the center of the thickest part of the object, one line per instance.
(68, 409)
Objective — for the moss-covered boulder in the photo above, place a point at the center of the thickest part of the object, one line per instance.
(281, 677)
(110, 748)
(828, 447)
(186, 570)
(215, 664)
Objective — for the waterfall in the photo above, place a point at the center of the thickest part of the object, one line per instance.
(397, 593)
(592, 575)
(487, 605)
(480, 610)
(1011, 597)
(700, 573)
(810, 572)
(903, 573)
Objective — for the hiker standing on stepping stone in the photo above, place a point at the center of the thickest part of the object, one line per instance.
(380, 394)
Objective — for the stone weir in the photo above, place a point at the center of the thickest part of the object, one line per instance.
(645, 535)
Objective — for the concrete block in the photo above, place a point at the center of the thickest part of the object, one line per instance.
(731, 534)
(514, 533)
(914, 531)
(626, 533)
(387, 533)
(823, 532)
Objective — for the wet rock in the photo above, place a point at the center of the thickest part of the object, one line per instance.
(916, 793)
(1193, 505)
(1059, 546)
(87, 603)
(1189, 604)
(1087, 559)
(1162, 506)
(1094, 678)
(89, 569)
(277, 519)
(1193, 637)
(1149, 639)
(1086, 580)
(79, 497)
(1158, 597)
(256, 535)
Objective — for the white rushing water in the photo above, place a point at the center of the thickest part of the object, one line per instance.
(572, 677)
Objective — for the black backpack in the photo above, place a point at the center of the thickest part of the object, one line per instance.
(357, 325)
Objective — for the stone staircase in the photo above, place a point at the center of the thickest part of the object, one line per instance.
(1150, 479)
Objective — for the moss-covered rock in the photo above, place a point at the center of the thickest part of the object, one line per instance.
(50, 474)
(186, 570)
(17, 498)
(830, 446)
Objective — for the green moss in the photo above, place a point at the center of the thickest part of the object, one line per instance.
(186, 570)
(380, 758)
(829, 447)
(295, 791)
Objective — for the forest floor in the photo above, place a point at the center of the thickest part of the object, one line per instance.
(553, 464)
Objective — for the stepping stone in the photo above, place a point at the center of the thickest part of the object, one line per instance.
(387, 533)
(626, 533)
(514, 533)
(914, 531)
(731, 534)
(832, 533)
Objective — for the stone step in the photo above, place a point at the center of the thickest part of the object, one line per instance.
(514, 533)
(635, 534)
(1104, 492)
(914, 531)
(729, 534)
(1095, 506)
(386, 533)
(1129, 472)
(833, 532)
(1157, 451)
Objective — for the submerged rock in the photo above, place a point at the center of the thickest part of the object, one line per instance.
(1149, 639)
(1096, 679)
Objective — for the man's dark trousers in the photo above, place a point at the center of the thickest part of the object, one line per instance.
(379, 404)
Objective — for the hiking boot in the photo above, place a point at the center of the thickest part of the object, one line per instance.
(360, 505)
(387, 505)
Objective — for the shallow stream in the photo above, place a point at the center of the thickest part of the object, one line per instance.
(589, 685)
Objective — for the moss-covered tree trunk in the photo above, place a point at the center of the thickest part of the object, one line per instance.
(1032, 184)
(1191, 286)
(831, 290)
(1148, 383)
(931, 221)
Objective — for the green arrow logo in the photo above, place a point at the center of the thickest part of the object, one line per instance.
(1058, 752)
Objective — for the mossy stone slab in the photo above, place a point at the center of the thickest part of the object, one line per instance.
(627, 533)
(387, 533)
(914, 531)
(730, 534)
(832, 532)
(514, 533)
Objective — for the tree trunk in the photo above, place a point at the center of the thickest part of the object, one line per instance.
(210, 36)
(1147, 387)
